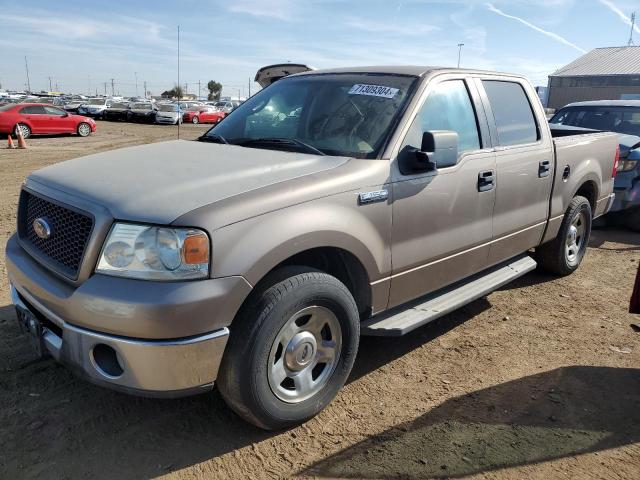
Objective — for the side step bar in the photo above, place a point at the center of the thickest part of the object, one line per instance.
(404, 319)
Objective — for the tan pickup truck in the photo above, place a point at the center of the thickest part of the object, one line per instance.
(330, 205)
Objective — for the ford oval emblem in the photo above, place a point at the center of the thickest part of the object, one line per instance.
(42, 228)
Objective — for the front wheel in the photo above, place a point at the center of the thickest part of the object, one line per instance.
(564, 254)
(195, 120)
(84, 129)
(291, 349)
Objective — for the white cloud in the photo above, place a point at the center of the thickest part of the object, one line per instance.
(390, 28)
(278, 9)
(615, 9)
(552, 35)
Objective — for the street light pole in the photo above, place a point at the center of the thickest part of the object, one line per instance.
(460, 45)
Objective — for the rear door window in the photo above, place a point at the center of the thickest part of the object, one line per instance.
(515, 122)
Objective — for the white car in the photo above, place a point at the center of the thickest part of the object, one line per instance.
(169, 113)
(95, 107)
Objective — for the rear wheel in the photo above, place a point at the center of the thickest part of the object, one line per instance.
(564, 254)
(84, 129)
(195, 120)
(291, 349)
(26, 131)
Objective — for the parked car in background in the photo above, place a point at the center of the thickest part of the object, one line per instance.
(623, 117)
(330, 205)
(204, 114)
(169, 113)
(142, 112)
(187, 104)
(117, 111)
(73, 104)
(95, 107)
(42, 119)
(226, 106)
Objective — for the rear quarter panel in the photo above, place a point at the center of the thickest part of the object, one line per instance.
(590, 158)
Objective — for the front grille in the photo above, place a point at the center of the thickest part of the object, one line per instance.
(70, 232)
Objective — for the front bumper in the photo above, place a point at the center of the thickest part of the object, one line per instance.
(161, 368)
(168, 337)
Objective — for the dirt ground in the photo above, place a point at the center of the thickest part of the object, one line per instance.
(539, 380)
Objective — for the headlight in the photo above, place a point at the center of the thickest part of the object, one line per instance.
(155, 253)
(627, 165)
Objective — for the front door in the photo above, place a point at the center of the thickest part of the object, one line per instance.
(58, 121)
(442, 220)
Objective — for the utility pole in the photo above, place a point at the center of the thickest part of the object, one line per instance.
(49, 83)
(26, 67)
(113, 92)
(460, 45)
(89, 83)
(136, 74)
(186, 88)
(145, 89)
(249, 86)
(198, 89)
(633, 25)
(105, 89)
(178, 124)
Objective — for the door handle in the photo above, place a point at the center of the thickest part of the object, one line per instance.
(544, 169)
(486, 181)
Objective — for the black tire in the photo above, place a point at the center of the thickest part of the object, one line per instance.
(243, 379)
(195, 120)
(553, 256)
(26, 131)
(84, 129)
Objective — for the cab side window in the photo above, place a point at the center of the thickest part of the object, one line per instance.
(448, 107)
(512, 112)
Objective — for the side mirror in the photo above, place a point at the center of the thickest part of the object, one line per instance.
(440, 148)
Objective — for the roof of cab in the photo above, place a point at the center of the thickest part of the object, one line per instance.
(413, 70)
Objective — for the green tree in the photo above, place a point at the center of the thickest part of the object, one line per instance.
(215, 88)
(175, 92)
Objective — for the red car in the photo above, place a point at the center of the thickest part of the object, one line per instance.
(203, 115)
(42, 119)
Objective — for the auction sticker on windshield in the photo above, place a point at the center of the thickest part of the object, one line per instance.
(373, 90)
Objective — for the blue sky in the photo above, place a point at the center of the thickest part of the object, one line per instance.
(81, 45)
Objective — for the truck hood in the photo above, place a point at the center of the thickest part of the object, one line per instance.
(160, 182)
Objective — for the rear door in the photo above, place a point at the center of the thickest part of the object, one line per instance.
(35, 117)
(442, 220)
(524, 165)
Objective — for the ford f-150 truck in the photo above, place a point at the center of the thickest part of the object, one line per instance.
(330, 205)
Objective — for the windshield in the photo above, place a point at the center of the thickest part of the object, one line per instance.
(119, 105)
(141, 106)
(96, 101)
(9, 106)
(337, 114)
(168, 108)
(611, 119)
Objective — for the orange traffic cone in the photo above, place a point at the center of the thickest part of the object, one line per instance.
(21, 142)
(10, 142)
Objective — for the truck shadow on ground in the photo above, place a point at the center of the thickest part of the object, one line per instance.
(555, 414)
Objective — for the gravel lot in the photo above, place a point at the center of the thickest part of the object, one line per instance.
(539, 380)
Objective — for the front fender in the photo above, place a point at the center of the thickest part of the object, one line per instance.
(253, 247)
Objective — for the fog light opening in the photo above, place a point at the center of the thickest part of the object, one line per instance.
(105, 360)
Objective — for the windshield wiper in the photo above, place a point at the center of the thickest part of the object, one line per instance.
(213, 138)
(281, 141)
